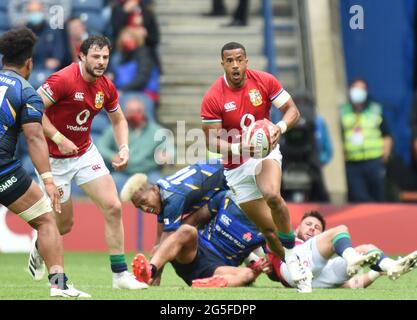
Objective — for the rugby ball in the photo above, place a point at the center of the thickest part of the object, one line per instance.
(259, 135)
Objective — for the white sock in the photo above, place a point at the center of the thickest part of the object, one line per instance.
(252, 257)
(349, 254)
(386, 264)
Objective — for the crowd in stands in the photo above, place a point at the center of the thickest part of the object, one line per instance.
(135, 66)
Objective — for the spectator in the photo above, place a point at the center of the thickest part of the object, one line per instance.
(240, 15)
(137, 14)
(367, 145)
(76, 34)
(144, 152)
(132, 65)
(50, 50)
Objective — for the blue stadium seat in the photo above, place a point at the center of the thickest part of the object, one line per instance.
(38, 77)
(4, 20)
(93, 20)
(4, 5)
(86, 5)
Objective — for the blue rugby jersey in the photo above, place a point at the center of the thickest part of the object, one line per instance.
(19, 104)
(186, 191)
(230, 234)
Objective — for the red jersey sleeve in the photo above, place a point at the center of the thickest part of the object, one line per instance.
(113, 100)
(55, 87)
(273, 86)
(210, 109)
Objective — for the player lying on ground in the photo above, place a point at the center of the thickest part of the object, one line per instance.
(178, 198)
(317, 248)
(210, 258)
(21, 110)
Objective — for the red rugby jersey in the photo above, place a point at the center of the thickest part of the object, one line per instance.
(238, 108)
(76, 102)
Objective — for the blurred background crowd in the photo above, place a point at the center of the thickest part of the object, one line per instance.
(349, 65)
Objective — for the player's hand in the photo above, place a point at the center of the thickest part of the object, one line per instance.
(276, 134)
(121, 159)
(53, 194)
(67, 147)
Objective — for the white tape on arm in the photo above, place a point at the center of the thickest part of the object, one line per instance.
(57, 137)
(282, 126)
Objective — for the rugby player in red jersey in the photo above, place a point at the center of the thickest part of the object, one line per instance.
(72, 97)
(235, 101)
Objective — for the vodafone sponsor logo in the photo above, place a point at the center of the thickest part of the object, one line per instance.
(77, 128)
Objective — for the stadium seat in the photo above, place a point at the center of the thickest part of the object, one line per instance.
(87, 5)
(4, 20)
(4, 5)
(92, 19)
(38, 77)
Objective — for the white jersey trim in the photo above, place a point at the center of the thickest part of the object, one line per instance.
(281, 98)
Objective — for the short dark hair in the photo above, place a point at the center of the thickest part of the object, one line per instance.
(317, 215)
(96, 40)
(232, 46)
(16, 46)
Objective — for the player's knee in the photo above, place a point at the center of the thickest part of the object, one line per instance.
(187, 233)
(342, 228)
(65, 227)
(43, 220)
(274, 200)
(113, 210)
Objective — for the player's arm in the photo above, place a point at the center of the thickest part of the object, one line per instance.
(65, 146)
(38, 151)
(121, 134)
(290, 116)
(216, 141)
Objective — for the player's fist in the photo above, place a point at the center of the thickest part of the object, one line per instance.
(67, 147)
(121, 159)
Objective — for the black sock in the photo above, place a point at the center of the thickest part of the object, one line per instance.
(59, 280)
(153, 270)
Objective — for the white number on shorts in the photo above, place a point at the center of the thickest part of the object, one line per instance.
(82, 117)
(181, 175)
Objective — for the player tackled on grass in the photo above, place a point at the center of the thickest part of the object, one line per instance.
(72, 97)
(234, 102)
(21, 110)
(317, 247)
(210, 258)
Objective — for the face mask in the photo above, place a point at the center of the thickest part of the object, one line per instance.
(135, 120)
(35, 18)
(358, 95)
(128, 45)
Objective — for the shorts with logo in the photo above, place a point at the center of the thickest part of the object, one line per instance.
(14, 182)
(83, 169)
(327, 273)
(204, 265)
(242, 180)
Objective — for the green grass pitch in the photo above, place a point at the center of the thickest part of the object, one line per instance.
(91, 272)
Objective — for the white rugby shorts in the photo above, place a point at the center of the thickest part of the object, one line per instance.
(242, 180)
(83, 169)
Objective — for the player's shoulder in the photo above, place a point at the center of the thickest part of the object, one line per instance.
(260, 75)
(67, 72)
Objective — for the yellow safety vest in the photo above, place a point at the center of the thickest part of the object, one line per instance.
(362, 135)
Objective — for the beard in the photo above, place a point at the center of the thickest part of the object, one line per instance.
(94, 72)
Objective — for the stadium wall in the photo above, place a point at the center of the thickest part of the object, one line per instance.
(392, 227)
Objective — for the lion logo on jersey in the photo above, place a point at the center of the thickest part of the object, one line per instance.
(255, 97)
(99, 101)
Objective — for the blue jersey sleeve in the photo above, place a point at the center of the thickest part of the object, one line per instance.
(32, 106)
